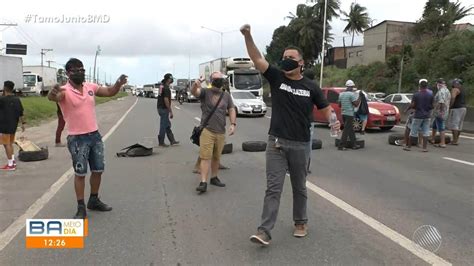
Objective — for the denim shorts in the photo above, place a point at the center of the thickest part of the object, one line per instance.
(420, 125)
(439, 124)
(86, 149)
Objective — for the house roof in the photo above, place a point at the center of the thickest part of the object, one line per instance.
(389, 21)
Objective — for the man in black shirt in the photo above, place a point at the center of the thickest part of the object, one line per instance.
(165, 112)
(11, 112)
(293, 98)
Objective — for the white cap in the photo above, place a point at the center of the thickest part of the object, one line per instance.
(421, 80)
(350, 83)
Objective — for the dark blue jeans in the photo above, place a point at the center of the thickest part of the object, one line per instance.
(165, 126)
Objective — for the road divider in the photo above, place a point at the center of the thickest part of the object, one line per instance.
(14, 228)
(401, 240)
(458, 161)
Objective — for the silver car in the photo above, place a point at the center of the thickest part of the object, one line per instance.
(248, 104)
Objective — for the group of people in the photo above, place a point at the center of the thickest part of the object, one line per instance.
(436, 111)
(289, 141)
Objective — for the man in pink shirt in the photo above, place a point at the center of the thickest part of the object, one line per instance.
(77, 101)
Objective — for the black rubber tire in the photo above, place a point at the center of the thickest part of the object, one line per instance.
(394, 137)
(316, 144)
(227, 148)
(359, 142)
(447, 139)
(386, 128)
(32, 156)
(254, 146)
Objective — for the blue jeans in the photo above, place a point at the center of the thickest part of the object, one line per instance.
(165, 126)
(84, 149)
(439, 124)
(420, 124)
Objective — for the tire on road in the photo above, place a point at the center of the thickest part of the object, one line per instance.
(32, 156)
(316, 144)
(227, 148)
(254, 146)
(359, 142)
(447, 139)
(394, 137)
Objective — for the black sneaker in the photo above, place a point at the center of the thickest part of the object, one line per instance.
(216, 182)
(362, 132)
(81, 212)
(97, 205)
(342, 148)
(174, 143)
(163, 145)
(260, 238)
(202, 187)
(356, 147)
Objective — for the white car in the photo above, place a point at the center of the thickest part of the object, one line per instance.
(248, 104)
(173, 94)
(398, 98)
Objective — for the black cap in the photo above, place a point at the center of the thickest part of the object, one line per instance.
(168, 76)
(441, 81)
(457, 81)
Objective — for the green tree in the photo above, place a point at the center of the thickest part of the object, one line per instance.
(357, 20)
(439, 16)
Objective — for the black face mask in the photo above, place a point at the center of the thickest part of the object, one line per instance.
(218, 83)
(289, 64)
(77, 78)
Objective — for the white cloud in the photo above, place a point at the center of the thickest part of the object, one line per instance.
(147, 39)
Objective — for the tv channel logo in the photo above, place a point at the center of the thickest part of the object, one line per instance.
(56, 233)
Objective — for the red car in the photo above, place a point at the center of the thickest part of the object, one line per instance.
(381, 115)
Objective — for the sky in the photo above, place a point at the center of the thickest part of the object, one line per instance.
(145, 39)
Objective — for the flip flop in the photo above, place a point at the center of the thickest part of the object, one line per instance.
(440, 146)
(406, 149)
(424, 150)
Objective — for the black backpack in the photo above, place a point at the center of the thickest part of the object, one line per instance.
(136, 150)
(363, 107)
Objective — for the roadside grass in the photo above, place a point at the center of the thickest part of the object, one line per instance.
(38, 109)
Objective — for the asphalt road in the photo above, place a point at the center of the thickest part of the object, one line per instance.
(159, 219)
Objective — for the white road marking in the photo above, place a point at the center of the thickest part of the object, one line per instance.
(198, 119)
(404, 242)
(458, 161)
(177, 107)
(269, 117)
(13, 229)
(447, 134)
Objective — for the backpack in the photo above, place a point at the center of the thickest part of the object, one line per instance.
(363, 107)
(136, 150)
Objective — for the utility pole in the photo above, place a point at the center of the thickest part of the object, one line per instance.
(43, 52)
(97, 52)
(324, 41)
(49, 62)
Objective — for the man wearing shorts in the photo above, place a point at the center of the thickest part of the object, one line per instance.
(77, 101)
(11, 112)
(213, 135)
(422, 103)
(458, 110)
(441, 103)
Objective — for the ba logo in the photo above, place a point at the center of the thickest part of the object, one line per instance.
(91, 93)
(55, 233)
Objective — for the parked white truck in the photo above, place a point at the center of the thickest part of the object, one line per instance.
(39, 79)
(11, 68)
(241, 73)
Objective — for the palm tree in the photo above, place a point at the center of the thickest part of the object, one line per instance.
(357, 20)
(331, 12)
